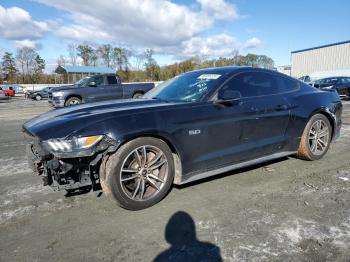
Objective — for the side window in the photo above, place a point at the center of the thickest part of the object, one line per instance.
(332, 81)
(97, 79)
(345, 80)
(112, 80)
(254, 84)
(287, 85)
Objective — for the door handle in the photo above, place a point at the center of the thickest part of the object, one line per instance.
(281, 108)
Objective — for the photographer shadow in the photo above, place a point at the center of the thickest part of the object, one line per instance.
(180, 233)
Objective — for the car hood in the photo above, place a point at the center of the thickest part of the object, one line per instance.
(60, 123)
(62, 88)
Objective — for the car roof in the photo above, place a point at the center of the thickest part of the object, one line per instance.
(108, 74)
(326, 78)
(231, 69)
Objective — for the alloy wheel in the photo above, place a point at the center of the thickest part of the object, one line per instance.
(74, 102)
(318, 137)
(144, 172)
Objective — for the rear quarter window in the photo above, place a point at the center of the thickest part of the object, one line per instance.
(286, 85)
(112, 80)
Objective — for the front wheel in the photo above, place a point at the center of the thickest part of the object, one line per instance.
(137, 95)
(38, 97)
(140, 173)
(72, 101)
(316, 138)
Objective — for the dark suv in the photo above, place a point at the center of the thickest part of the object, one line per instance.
(341, 84)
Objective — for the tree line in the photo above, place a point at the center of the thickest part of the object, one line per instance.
(27, 66)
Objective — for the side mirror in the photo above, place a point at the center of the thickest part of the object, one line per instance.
(228, 96)
(92, 84)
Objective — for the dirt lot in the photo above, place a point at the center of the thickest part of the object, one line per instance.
(286, 210)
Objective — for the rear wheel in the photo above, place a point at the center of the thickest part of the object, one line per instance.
(73, 101)
(137, 95)
(140, 173)
(316, 138)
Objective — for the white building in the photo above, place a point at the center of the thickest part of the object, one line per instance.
(327, 60)
(284, 69)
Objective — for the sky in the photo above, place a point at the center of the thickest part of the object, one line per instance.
(175, 29)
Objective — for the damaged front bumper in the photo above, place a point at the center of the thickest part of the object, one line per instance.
(69, 173)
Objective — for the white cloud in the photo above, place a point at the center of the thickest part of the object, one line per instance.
(214, 46)
(152, 23)
(219, 9)
(25, 43)
(167, 27)
(252, 43)
(157, 24)
(17, 24)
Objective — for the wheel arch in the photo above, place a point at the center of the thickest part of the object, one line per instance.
(138, 92)
(327, 113)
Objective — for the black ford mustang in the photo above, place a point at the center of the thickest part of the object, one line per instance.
(193, 126)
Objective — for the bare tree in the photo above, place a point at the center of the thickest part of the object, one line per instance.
(121, 58)
(106, 53)
(72, 51)
(94, 57)
(1, 66)
(235, 56)
(26, 59)
(139, 61)
(61, 60)
(86, 52)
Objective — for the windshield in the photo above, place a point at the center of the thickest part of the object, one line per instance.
(82, 81)
(189, 87)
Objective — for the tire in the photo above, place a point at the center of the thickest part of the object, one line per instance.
(137, 95)
(138, 190)
(38, 97)
(72, 101)
(316, 138)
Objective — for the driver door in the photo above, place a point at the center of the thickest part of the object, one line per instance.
(94, 90)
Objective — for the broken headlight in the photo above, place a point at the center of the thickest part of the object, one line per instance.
(79, 146)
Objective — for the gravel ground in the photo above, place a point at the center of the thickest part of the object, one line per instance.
(285, 210)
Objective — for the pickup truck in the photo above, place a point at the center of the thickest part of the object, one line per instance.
(96, 88)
